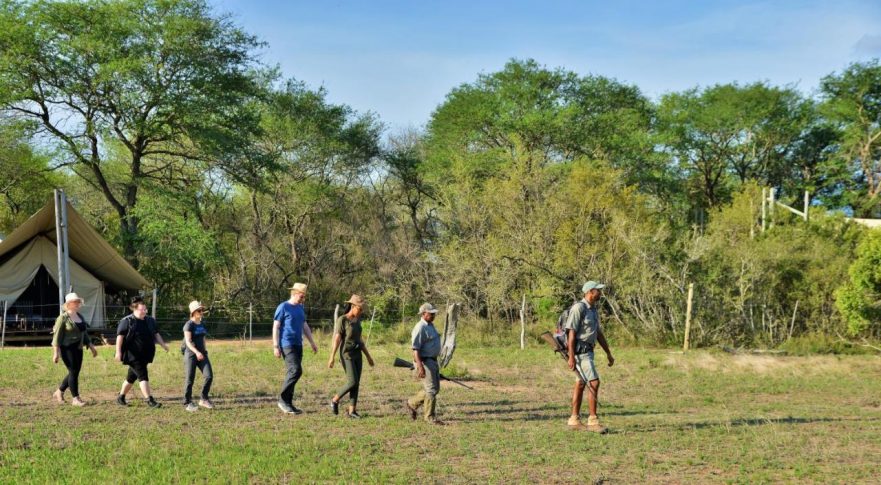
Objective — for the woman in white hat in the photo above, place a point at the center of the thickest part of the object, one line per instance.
(196, 356)
(347, 339)
(69, 336)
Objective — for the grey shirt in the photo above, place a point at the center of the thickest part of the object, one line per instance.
(585, 320)
(425, 340)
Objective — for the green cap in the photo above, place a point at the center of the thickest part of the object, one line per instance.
(592, 285)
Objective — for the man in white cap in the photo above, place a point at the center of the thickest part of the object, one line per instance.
(288, 328)
(426, 345)
(583, 332)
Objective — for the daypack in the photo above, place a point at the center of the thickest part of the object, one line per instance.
(561, 337)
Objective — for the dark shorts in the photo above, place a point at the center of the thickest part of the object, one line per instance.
(137, 371)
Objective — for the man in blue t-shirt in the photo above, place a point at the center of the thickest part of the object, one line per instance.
(288, 327)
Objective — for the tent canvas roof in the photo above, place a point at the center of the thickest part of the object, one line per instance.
(87, 247)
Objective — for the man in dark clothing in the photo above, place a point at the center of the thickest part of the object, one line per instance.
(136, 338)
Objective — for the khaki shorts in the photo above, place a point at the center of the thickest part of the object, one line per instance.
(585, 368)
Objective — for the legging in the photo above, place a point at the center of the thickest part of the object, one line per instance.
(353, 365)
(72, 356)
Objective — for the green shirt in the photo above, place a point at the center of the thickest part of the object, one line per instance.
(351, 332)
(66, 332)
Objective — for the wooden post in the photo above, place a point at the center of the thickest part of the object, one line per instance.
(370, 327)
(250, 322)
(688, 315)
(155, 298)
(792, 322)
(3, 334)
(523, 323)
(764, 207)
(807, 204)
(772, 201)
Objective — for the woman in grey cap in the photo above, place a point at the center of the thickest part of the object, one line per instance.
(347, 339)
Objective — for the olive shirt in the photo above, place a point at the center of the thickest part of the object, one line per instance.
(585, 320)
(351, 331)
(425, 340)
(67, 332)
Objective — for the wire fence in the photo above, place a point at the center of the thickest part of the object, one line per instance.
(221, 321)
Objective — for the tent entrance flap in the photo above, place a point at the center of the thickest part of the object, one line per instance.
(37, 306)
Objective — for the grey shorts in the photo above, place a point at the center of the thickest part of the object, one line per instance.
(585, 368)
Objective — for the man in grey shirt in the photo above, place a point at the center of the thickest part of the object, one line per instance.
(583, 332)
(426, 345)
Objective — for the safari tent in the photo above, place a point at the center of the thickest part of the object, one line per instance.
(30, 280)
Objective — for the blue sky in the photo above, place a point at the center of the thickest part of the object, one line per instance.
(399, 59)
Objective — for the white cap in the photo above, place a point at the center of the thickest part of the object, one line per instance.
(427, 308)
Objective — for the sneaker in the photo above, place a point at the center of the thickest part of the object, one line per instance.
(206, 403)
(334, 407)
(295, 409)
(285, 407)
(120, 399)
(354, 415)
(58, 395)
(153, 404)
(191, 407)
(413, 413)
(77, 402)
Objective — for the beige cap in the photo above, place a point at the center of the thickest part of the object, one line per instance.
(72, 297)
(195, 305)
(299, 288)
(427, 308)
(357, 301)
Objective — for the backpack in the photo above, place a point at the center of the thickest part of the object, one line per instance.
(562, 338)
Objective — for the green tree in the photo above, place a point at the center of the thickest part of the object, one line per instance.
(853, 103)
(165, 80)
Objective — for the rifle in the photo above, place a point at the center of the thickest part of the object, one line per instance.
(558, 343)
(409, 365)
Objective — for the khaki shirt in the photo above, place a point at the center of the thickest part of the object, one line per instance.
(425, 340)
(585, 320)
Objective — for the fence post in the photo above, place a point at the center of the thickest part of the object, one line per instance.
(688, 315)
(523, 323)
(155, 297)
(3, 334)
(251, 322)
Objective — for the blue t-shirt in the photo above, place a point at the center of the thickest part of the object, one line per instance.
(292, 318)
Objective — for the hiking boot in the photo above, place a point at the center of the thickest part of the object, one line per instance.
(206, 403)
(77, 402)
(191, 407)
(58, 395)
(594, 426)
(120, 399)
(334, 407)
(285, 407)
(575, 424)
(295, 409)
(413, 412)
(152, 403)
(354, 415)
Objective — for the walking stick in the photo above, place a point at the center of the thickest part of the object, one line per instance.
(371, 326)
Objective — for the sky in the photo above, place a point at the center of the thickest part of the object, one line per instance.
(399, 59)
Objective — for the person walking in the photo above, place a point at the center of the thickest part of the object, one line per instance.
(426, 345)
(69, 336)
(288, 328)
(196, 357)
(583, 332)
(136, 337)
(347, 339)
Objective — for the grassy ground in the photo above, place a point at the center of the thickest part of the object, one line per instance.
(700, 417)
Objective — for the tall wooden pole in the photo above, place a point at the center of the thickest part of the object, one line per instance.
(688, 315)
(251, 322)
(3, 334)
(807, 204)
(155, 299)
(764, 208)
(523, 323)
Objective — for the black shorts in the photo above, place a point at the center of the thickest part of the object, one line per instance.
(137, 372)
